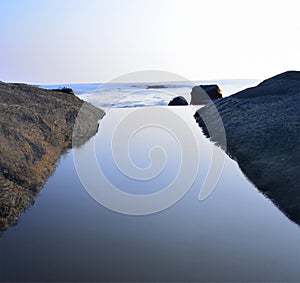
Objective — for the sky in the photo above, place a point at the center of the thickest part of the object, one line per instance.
(85, 41)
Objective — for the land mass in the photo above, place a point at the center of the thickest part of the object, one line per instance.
(36, 127)
(262, 133)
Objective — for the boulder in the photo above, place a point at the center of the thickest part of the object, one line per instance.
(203, 94)
(179, 100)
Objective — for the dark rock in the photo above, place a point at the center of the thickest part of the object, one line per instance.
(283, 84)
(36, 127)
(203, 94)
(262, 126)
(64, 90)
(179, 100)
(156, 86)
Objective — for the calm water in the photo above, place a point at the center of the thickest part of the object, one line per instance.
(235, 234)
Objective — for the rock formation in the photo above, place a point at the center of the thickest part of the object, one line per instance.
(262, 126)
(36, 127)
(65, 90)
(203, 94)
(179, 100)
(156, 86)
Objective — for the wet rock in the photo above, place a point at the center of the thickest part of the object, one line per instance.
(204, 94)
(179, 100)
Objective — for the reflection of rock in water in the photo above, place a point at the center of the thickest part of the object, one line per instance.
(262, 126)
(36, 127)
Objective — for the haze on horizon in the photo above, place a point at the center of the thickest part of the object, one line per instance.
(77, 41)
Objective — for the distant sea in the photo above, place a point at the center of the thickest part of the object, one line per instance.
(125, 95)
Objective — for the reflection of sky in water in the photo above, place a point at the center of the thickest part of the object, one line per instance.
(139, 148)
(138, 152)
(235, 235)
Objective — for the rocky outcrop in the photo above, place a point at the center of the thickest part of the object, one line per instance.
(65, 90)
(156, 86)
(179, 100)
(262, 126)
(204, 94)
(36, 127)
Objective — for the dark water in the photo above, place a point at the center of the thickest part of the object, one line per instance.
(236, 234)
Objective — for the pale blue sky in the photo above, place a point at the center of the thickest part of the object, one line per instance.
(73, 41)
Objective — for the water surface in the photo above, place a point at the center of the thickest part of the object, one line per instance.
(235, 234)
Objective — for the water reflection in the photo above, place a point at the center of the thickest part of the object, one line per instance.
(16, 199)
(236, 235)
(19, 189)
(279, 181)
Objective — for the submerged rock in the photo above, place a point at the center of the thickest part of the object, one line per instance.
(203, 94)
(262, 126)
(179, 100)
(36, 127)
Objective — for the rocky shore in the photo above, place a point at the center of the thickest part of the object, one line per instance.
(262, 127)
(36, 127)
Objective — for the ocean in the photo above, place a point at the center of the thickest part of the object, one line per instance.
(125, 95)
